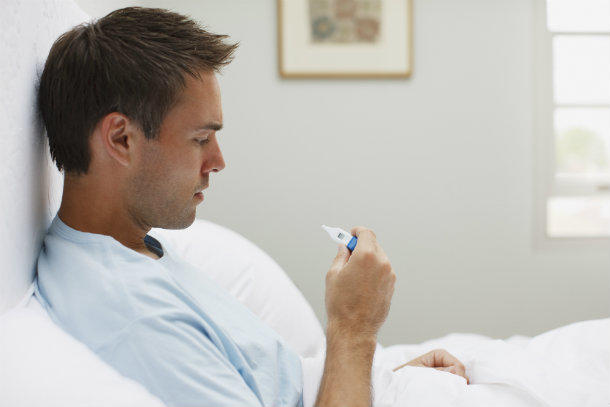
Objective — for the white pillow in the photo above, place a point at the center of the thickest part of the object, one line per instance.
(252, 277)
(41, 365)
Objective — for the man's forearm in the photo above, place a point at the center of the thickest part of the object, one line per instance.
(347, 370)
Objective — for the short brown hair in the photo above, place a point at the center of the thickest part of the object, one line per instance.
(133, 61)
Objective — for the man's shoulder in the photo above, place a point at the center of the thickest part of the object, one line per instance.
(92, 276)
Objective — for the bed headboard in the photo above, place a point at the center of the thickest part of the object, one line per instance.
(30, 184)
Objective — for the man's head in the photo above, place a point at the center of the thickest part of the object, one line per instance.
(127, 101)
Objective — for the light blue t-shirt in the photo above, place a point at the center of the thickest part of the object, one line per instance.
(163, 323)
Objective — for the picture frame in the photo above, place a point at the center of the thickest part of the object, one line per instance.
(345, 38)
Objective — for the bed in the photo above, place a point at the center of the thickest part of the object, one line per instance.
(42, 365)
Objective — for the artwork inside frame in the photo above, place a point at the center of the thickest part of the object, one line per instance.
(345, 38)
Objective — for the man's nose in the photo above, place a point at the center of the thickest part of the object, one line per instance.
(216, 162)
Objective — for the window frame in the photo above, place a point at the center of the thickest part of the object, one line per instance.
(546, 184)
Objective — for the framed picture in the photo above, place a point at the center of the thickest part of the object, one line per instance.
(345, 38)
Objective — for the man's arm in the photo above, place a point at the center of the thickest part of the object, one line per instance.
(347, 370)
(359, 288)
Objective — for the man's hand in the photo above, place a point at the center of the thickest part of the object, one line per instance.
(359, 288)
(439, 359)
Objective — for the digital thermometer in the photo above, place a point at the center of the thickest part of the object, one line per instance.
(341, 236)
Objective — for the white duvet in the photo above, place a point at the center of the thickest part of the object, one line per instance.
(568, 366)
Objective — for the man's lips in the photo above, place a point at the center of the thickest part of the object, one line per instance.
(199, 195)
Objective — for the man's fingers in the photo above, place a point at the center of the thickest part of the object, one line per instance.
(439, 359)
(358, 230)
(367, 241)
(454, 370)
(341, 258)
(444, 358)
(364, 235)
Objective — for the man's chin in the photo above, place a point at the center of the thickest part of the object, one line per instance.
(179, 223)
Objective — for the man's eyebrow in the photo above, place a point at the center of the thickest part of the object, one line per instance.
(210, 126)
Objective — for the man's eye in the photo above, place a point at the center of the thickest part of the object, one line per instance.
(202, 142)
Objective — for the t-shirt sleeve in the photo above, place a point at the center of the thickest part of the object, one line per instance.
(177, 361)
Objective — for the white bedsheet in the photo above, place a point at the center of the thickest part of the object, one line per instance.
(568, 366)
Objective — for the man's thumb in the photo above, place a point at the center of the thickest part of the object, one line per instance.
(341, 257)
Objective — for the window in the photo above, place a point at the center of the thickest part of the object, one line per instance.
(573, 79)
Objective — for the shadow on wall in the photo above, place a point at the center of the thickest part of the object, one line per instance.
(31, 185)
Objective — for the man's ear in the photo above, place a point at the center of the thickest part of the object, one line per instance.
(117, 134)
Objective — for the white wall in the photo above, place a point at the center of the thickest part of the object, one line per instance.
(441, 166)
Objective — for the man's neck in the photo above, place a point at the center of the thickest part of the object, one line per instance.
(85, 210)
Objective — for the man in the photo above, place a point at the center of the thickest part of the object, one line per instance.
(132, 108)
